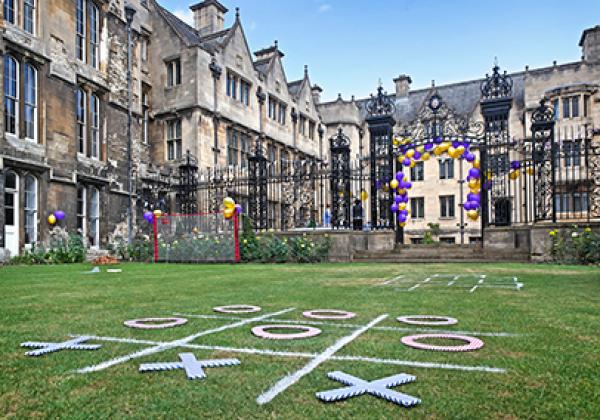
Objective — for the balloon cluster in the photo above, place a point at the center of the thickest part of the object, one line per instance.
(410, 155)
(231, 208)
(56, 216)
(150, 215)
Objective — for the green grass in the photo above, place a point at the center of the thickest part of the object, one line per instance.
(552, 370)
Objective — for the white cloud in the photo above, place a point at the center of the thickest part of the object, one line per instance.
(253, 25)
(324, 8)
(186, 15)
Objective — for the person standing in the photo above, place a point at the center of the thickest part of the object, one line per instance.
(357, 215)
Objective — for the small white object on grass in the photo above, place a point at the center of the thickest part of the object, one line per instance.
(114, 270)
(92, 271)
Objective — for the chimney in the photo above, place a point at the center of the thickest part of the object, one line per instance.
(590, 44)
(268, 52)
(209, 17)
(316, 93)
(402, 85)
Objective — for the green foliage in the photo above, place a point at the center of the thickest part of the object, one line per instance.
(269, 248)
(140, 250)
(428, 236)
(575, 245)
(62, 249)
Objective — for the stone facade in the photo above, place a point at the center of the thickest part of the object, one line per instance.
(193, 88)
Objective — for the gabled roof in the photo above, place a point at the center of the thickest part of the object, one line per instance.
(187, 34)
(295, 87)
(262, 66)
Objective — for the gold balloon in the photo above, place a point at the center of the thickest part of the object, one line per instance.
(402, 191)
(475, 190)
(474, 183)
(412, 163)
(445, 145)
(52, 219)
(514, 174)
(438, 150)
(396, 142)
(476, 163)
(403, 224)
(452, 152)
(473, 214)
(228, 213)
(229, 202)
(157, 213)
(420, 149)
(530, 171)
(400, 158)
(394, 184)
(410, 153)
(364, 196)
(402, 206)
(425, 156)
(460, 150)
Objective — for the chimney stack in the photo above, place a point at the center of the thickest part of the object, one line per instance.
(316, 93)
(209, 17)
(590, 44)
(402, 85)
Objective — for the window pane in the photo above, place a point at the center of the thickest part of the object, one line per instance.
(575, 106)
(80, 30)
(9, 11)
(30, 209)
(94, 35)
(81, 120)
(10, 94)
(29, 16)
(30, 89)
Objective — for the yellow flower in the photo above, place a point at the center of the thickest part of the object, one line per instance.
(588, 229)
(245, 241)
(552, 233)
(302, 246)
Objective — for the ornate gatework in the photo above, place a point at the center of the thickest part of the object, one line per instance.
(339, 146)
(257, 185)
(188, 185)
(543, 157)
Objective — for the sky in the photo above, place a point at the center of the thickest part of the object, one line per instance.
(349, 45)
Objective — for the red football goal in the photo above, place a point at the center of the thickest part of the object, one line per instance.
(198, 238)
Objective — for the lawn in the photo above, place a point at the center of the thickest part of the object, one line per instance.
(545, 366)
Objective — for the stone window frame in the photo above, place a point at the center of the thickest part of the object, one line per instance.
(30, 209)
(446, 168)
(312, 126)
(233, 146)
(145, 107)
(238, 87)
(88, 39)
(94, 216)
(24, 15)
(21, 100)
(447, 206)
(174, 139)
(174, 74)
(89, 129)
(417, 208)
(81, 211)
(302, 120)
(417, 175)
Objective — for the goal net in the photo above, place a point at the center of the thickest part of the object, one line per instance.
(198, 238)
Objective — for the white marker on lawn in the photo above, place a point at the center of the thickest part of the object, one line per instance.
(289, 380)
(176, 343)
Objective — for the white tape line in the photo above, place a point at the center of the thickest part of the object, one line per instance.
(289, 380)
(171, 344)
(450, 283)
(414, 287)
(473, 289)
(276, 353)
(334, 324)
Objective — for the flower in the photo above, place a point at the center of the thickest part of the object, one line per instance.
(588, 229)
(552, 233)
(574, 235)
(245, 241)
(302, 246)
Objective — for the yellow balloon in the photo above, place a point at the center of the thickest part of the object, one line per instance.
(460, 150)
(425, 156)
(408, 210)
(157, 213)
(452, 152)
(228, 213)
(476, 163)
(400, 158)
(229, 202)
(412, 163)
(403, 224)
(394, 184)
(514, 174)
(52, 219)
(420, 149)
(396, 142)
(474, 183)
(364, 196)
(530, 171)
(438, 150)
(475, 190)
(402, 191)
(445, 145)
(402, 206)
(410, 153)
(473, 214)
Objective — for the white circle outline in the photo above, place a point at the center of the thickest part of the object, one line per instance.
(260, 331)
(141, 323)
(237, 309)
(421, 320)
(340, 314)
(472, 342)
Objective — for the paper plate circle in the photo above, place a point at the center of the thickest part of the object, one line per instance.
(261, 331)
(427, 320)
(237, 309)
(328, 314)
(472, 342)
(155, 323)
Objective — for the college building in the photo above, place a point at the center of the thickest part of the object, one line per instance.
(201, 91)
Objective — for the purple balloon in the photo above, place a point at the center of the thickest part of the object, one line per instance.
(437, 140)
(428, 147)
(398, 199)
(470, 157)
(238, 209)
(466, 145)
(401, 218)
(59, 214)
(515, 164)
(394, 208)
(399, 177)
(456, 144)
(474, 173)
(408, 185)
(406, 162)
(417, 156)
(378, 184)
(468, 206)
(148, 216)
(473, 197)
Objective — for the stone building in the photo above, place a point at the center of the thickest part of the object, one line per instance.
(63, 138)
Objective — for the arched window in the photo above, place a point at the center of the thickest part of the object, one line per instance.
(31, 207)
(95, 120)
(81, 120)
(30, 110)
(94, 217)
(11, 94)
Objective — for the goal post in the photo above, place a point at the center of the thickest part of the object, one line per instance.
(196, 238)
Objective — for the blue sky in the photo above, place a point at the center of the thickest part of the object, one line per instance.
(350, 44)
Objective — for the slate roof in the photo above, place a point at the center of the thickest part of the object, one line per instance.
(294, 87)
(262, 66)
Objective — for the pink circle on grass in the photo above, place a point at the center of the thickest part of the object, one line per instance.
(261, 331)
(237, 309)
(328, 314)
(155, 323)
(413, 341)
(433, 320)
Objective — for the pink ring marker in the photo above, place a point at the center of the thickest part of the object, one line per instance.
(151, 323)
(328, 314)
(472, 342)
(427, 320)
(260, 331)
(237, 309)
